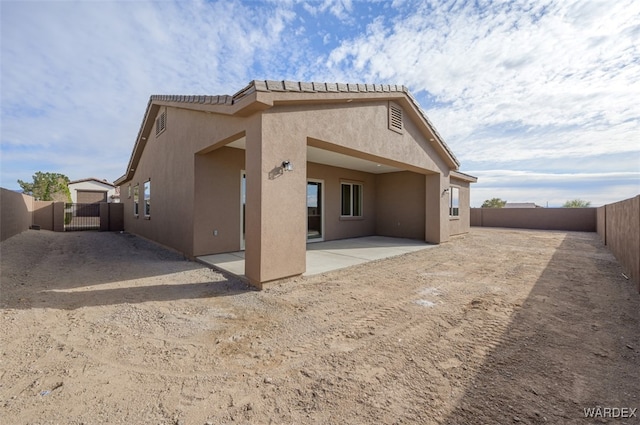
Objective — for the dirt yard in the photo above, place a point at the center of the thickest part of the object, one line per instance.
(496, 327)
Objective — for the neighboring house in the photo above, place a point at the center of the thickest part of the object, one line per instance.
(281, 164)
(521, 205)
(92, 190)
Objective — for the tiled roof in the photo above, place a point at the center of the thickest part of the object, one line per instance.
(282, 86)
(302, 87)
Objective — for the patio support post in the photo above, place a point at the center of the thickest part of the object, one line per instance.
(276, 213)
(436, 208)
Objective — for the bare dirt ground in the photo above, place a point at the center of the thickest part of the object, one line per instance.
(496, 327)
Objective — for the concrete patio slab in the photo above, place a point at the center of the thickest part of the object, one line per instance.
(232, 262)
(327, 256)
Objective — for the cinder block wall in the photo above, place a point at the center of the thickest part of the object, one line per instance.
(570, 219)
(619, 228)
(16, 213)
(618, 225)
(43, 214)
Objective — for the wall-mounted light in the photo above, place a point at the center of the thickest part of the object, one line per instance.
(287, 166)
(445, 191)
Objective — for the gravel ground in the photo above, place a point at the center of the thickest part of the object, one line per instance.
(495, 327)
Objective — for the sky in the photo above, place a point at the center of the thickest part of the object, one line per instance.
(538, 99)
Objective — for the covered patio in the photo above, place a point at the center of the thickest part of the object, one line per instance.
(327, 256)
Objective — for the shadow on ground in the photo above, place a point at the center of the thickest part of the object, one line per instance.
(569, 347)
(80, 269)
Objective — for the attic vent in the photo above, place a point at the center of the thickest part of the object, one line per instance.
(161, 122)
(395, 118)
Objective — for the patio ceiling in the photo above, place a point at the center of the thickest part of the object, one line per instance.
(326, 157)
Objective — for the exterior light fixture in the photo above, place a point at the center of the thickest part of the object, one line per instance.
(445, 191)
(287, 166)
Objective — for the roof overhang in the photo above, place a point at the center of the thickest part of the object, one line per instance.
(462, 176)
(260, 95)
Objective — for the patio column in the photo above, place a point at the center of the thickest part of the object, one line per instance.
(276, 213)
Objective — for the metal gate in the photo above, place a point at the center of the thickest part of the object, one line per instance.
(81, 217)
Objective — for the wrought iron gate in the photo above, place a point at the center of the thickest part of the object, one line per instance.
(81, 217)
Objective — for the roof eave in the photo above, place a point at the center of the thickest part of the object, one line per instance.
(260, 95)
(464, 177)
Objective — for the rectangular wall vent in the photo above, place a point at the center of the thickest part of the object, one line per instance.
(161, 122)
(395, 117)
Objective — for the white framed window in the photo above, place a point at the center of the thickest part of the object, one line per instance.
(136, 200)
(146, 196)
(351, 194)
(454, 202)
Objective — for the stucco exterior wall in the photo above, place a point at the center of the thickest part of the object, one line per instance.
(276, 201)
(437, 208)
(16, 213)
(360, 130)
(217, 201)
(571, 219)
(356, 129)
(169, 162)
(195, 179)
(388, 199)
(462, 223)
(400, 205)
(335, 226)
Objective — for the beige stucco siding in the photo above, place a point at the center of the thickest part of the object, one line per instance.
(393, 203)
(400, 205)
(276, 202)
(196, 178)
(216, 209)
(335, 226)
(461, 224)
(169, 162)
(360, 130)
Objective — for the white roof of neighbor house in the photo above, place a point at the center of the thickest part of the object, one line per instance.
(93, 179)
(246, 101)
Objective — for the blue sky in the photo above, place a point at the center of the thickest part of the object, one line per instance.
(538, 99)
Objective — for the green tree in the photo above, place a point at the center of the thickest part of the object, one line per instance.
(576, 203)
(48, 187)
(494, 203)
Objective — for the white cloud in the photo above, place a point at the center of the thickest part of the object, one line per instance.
(548, 87)
(564, 73)
(553, 189)
(339, 8)
(77, 76)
